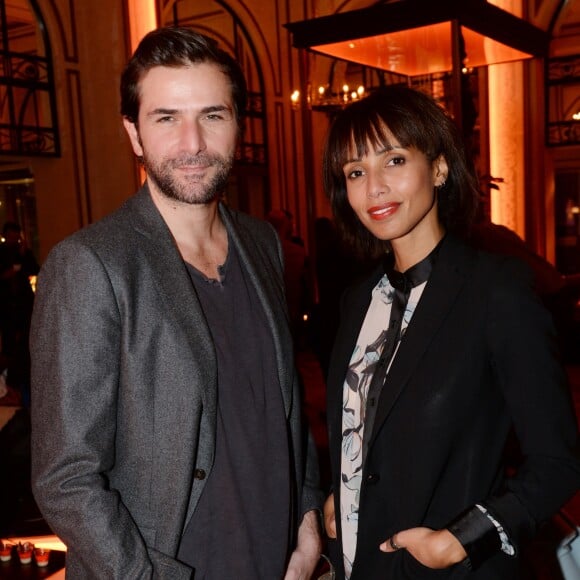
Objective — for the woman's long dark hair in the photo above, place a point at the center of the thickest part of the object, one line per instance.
(415, 120)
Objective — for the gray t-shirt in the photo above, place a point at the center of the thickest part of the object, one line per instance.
(240, 528)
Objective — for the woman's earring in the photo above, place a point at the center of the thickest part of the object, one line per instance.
(441, 185)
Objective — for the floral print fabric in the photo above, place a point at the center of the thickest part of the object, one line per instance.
(365, 356)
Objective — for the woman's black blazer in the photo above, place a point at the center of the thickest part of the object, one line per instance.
(478, 358)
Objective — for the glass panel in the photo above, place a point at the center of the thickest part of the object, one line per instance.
(563, 83)
(412, 52)
(21, 29)
(419, 51)
(27, 105)
(511, 6)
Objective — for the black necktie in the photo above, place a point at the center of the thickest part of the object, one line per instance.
(402, 283)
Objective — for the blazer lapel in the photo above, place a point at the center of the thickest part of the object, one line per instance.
(176, 288)
(445, 283)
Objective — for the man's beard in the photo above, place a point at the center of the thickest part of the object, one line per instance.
(189, 188)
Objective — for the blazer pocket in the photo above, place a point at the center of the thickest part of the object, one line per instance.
(417, 571)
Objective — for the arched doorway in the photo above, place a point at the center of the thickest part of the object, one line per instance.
(28, 120)
(249, 183)
(28, 123)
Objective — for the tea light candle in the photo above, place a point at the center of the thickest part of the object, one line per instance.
(41, 556)
(25, 552)
(5, 551)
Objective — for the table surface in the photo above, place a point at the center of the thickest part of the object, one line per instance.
(14, 570)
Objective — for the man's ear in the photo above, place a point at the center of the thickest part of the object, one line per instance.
(440, 171)
(133, 133)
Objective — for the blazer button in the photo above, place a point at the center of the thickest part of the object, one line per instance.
(199, 474)
(373, 478)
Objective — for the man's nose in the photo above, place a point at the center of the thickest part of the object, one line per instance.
(192, 136)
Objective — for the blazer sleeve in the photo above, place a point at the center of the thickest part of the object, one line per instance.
(75, 344)
(524, 357)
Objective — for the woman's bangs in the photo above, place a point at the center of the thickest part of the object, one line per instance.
(365, 133)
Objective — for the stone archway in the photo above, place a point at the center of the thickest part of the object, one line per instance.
(248, 189)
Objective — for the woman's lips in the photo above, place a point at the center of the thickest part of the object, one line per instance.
(380, 212)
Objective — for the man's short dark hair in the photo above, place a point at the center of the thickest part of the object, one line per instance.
(178, 47)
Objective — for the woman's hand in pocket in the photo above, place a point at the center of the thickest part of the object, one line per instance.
(433, 548)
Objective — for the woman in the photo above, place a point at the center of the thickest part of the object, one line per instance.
(420, 489)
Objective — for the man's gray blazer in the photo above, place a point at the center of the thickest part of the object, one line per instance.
(124, 390)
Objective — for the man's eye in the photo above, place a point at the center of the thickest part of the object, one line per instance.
(220, 116)
(165, 119)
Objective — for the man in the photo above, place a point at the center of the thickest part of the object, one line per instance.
(167, 436)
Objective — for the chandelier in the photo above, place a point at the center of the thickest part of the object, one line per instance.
(325, 97)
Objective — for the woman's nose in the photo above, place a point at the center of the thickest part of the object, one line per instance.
(376, 185)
